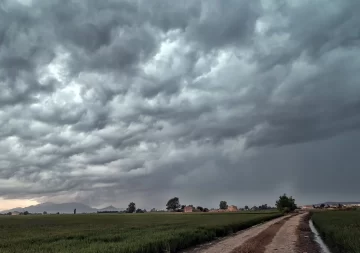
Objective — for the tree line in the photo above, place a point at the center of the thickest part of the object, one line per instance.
(283, 204)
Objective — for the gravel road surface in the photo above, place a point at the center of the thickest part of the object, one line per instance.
(286, 238)
(280, 240)
(228, 244)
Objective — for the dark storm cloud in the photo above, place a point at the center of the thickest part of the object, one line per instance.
(21, 53)
(105, 101)
(214, 30)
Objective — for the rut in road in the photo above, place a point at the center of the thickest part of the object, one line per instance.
(227, 245)
(286, 238)
(258, 243)
(279, 235)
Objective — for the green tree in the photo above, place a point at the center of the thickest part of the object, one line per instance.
(131, 207)
(139, 211)
(206, 210)
(322, 205)
(246, 207)
(200, 208)
(26, 213)
(173, 204)
(285, 203)
(223, 205)
(263, 207)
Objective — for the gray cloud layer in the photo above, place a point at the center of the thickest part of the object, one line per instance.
(113, 101)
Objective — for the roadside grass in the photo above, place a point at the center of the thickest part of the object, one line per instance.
(339, 229)
(125, 233)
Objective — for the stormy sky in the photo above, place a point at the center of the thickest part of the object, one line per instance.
(107, 102)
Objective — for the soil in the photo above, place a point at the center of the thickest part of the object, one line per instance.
(228, 244)
(286, 238)
(306, 242)
(287, 234)
(257, 244)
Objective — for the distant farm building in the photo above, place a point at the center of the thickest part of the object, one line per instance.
(229, 209)
(232, 208)
(15, 213)
(307, 207)
(188, 209)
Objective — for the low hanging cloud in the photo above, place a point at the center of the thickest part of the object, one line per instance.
(113, 101)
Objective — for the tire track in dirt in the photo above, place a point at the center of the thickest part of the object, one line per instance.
(287, 237)
(257, 244)
(287, 234)
(228, 244)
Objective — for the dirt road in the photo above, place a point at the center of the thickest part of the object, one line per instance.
(280, 235)
(286, 238)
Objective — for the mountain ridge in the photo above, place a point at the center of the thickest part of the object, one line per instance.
(341, 202)
(111, 208)
(69, 207)
(338, 202)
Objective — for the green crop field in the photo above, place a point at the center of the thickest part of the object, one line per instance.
(125, 233)
(339, 229)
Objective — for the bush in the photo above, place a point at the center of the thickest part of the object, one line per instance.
(286, 204)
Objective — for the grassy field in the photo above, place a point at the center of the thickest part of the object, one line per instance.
(339, 229)
(125, 233)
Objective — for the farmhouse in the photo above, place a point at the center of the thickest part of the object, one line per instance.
(15, 213)
(188, 209)
(232, 208)
(307, 207)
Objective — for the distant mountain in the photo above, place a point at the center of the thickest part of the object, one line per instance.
(50, 207)
(340, 202)
(111, 209)
(54, 208)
